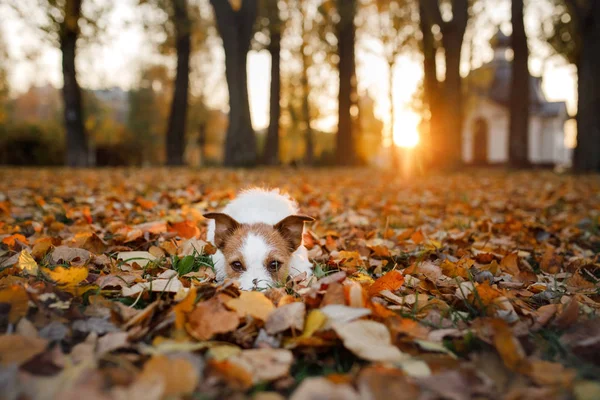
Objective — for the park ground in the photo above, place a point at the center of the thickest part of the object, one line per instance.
(482, 284)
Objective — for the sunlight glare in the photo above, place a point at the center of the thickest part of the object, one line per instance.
(406, 131)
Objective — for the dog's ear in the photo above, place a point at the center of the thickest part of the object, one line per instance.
(291, 229)
(224, 227)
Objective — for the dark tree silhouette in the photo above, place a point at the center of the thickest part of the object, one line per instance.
(236, 27)
(346, 34)
(448, 141)
(175, 139)
(518, 147)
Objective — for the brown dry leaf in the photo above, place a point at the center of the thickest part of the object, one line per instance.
(508, 346)
(320, 389)
(551, 262)
(377, 382)
(210, 318)
(391, 281)
(254, 304)
(236, 376)
(17, 349)
(568, 316)
(64, 254)
(179, 375)
(67, 276)
(16, 296)
(286, 317)
(41, 247)
(369, 340)
(264, 365)
(546, 373)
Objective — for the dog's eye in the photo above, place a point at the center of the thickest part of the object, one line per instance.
(237, 266)
(273, 266)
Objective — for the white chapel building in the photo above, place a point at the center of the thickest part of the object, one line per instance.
(487, 116)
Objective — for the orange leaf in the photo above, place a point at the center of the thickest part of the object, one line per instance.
(185, 229)
(183, 308)
(390, 281)
(145, 204)
(417, 237)
(11, 240)
(179, 375)
(17, 297)
(235, 375)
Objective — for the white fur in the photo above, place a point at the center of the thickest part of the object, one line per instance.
(255, 251)
(254, 206)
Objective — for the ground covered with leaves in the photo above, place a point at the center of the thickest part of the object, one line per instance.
(476, 285)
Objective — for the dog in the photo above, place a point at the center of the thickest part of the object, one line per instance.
(258, 237)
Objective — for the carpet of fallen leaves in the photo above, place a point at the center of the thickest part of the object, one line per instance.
(476, 285)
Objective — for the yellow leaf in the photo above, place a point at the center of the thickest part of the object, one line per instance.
(27, 263)
(254, 304)
(66, 276)
(314, 321)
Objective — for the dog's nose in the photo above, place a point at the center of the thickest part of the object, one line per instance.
(255, 281)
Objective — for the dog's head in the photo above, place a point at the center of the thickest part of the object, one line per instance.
(257, 255)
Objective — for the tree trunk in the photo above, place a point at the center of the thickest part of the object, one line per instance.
(271, 155)
(309, 134)
(451, 146)
(518, 145)
(430, 85)
(586, 157)
(236, 29)
(346, 32)
(178, 116)
(76, 146)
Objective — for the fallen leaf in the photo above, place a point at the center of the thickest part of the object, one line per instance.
(254, 304)
(264, 365)
(321, 388)
(185, 229)
(340, 314)
(391, 281)
(179, 375)
(64, 254)
(210, 318)
(314, 321)
(286, 317)
(17, 349)
(171, 285)
(141, 258)
(369, 340)
(66, 276)
(11, 241)
(236, 376)
(508, 346)
(16, 296)
(27, 263)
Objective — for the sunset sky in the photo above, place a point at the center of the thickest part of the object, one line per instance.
(117, 62)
